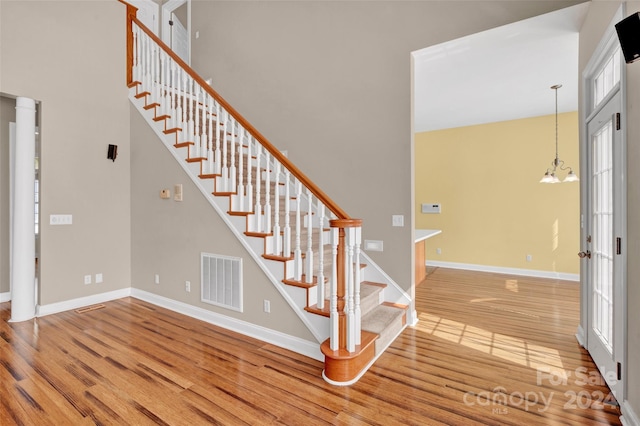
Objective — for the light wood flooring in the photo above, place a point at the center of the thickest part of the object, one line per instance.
(489, 350)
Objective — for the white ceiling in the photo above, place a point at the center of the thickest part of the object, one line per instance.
(501, 74)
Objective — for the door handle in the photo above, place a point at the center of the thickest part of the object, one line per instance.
(584, 254)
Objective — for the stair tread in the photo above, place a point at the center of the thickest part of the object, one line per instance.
(380, 317)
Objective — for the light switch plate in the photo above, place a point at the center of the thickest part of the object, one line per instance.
(60, 219)
(373, 245)
(397, 220)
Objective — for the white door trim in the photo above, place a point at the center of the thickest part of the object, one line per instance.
(167, 9)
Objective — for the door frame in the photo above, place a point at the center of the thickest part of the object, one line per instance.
(608, 42)
(167, 9)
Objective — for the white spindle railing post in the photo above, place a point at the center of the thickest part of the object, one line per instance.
(147, 66)
(267, 196)
(136, 73)
(286, 237)
(217, 153)
(209, 168)
(357, 280)
(180, 110)
(174, 97)
(156, 74)
(297, 254)
(240, 185)
(249, 187)
(334, 330)
(196, 121)
(233, 176)
(276, 212)
(164, 102)
(321, 286)
(309, 255)
(350, 287)
(225, 147)
(258, 208)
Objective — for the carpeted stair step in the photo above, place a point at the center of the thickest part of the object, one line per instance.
(385, 320)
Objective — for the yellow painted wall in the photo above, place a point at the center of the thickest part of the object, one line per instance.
(494, 210)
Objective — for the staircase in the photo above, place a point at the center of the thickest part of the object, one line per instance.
(305, 243)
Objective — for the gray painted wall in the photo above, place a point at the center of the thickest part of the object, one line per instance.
(330, 82)
(70, 56)
(167, 238)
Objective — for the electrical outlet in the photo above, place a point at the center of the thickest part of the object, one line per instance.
(157, 279)
(87, 279)
(267, 306)
(187, 286)
(438, 250)
(98, 278)
(529, 258)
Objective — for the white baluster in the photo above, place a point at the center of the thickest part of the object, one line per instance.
(349, 302)
(309, 255)
(321, 288)
(333, 300)
(156, 74)
(179, 104)
(162, 110)
(276, 215)
(225, 147)
(196, 121)
(267, 193)
(297, 253)
(258, 208)
(148, 68)
(249, 189)
(217, 153)
(174, 96)
(136, 52)
(240, 186)
(233, 176)
(357, 280)
(286, 237)
(209, 169)
(190, 123)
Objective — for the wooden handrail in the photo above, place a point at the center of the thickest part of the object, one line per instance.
(306, 182)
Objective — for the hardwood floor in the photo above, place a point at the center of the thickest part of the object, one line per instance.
(489, 350)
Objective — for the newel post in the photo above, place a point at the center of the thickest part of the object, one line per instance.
(131, 14)
(341, 278)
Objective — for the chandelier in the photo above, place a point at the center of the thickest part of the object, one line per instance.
(557, 164)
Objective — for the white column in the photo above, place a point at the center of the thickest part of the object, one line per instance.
(23, 304)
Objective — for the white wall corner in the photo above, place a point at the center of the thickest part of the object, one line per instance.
(292, 343)
(5, 297)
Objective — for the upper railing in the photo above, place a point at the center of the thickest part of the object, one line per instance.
(261, 182)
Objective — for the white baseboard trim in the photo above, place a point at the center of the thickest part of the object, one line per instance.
(81, 302)
(580, 337)
(503, 270)
(629, 417)
(5, 297)
(292, 343)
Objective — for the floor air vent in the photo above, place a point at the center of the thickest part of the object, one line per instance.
(221, 281)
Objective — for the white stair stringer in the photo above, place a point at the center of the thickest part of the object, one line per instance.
(296, 297)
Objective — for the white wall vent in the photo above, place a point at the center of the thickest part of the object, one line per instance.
(221, 281)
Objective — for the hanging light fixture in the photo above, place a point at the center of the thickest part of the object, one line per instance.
(557, 163)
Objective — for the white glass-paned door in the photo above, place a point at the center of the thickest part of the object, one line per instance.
(602, 221)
